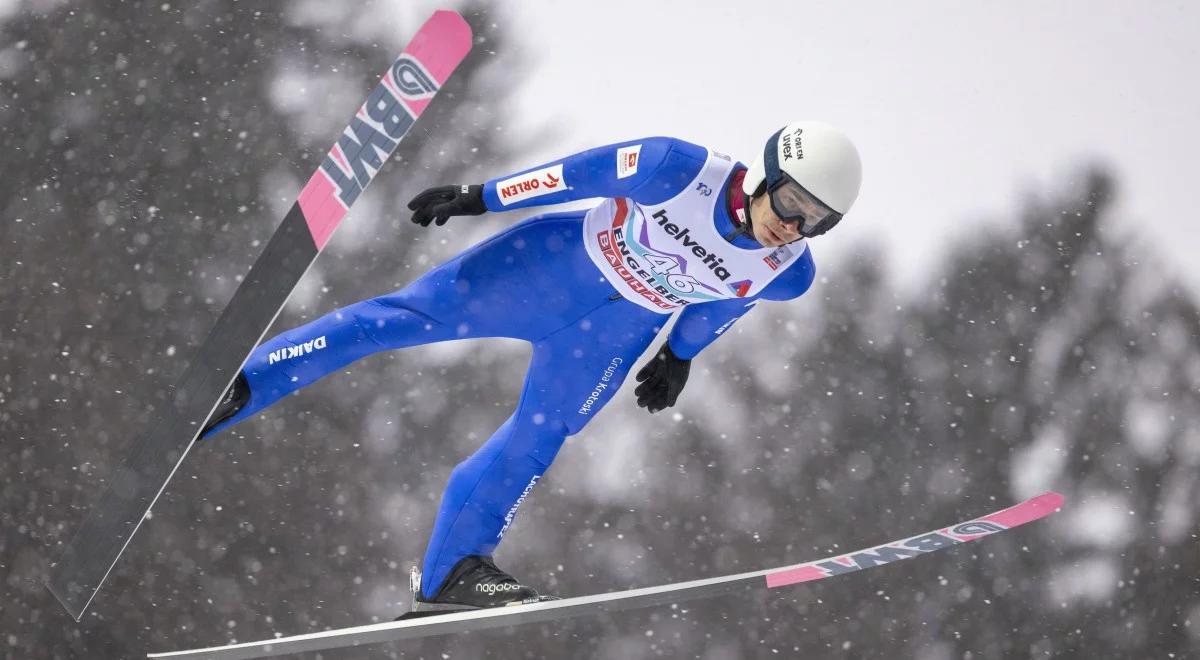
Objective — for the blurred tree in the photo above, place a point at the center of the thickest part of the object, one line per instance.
(161, 146)
(1048, 356)
(1063, 367)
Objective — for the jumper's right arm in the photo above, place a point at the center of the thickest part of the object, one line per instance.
(649, 171)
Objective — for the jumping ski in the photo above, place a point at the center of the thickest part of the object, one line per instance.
(946, 537)
(380, 123)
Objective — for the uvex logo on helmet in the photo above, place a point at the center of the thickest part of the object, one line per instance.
(786, 142)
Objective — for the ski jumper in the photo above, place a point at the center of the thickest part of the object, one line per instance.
(589, 290)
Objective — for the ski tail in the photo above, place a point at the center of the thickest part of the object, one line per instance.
(359, 153)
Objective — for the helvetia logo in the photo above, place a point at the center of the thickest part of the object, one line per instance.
(290, 352)
(710, 260)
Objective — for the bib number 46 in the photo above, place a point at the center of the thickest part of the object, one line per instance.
(669, 269)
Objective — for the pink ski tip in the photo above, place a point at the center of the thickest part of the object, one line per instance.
(452, 22)
(441, 43)
(1029, 510)
(1051, 499)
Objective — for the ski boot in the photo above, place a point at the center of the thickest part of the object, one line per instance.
(474, 583)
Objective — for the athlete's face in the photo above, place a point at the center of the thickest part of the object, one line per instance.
(769, 230)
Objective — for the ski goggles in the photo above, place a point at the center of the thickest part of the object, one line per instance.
(790, 201)
(795, 205)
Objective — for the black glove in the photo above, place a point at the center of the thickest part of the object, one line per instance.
(662, 379)
(441, 202)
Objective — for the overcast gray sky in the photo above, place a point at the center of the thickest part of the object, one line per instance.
(957, 107)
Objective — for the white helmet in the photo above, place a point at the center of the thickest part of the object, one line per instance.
(819, 162)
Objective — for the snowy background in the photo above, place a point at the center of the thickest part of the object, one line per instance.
(1011, 308)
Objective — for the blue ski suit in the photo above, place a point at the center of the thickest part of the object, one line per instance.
(533, 281)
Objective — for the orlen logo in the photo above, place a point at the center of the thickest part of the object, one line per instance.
(531, 184)
(289, 352)
(627, 160)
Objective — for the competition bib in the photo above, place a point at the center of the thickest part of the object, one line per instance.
(668, 255)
